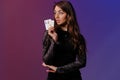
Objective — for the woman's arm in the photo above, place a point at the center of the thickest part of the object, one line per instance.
(79, 63)
(48, 46)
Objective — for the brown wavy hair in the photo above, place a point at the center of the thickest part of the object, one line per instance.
(73, 27)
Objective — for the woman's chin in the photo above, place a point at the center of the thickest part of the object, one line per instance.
(61, 24)
(58, 23)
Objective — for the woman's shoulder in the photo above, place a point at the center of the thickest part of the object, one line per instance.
(82, 39)
(81, 36)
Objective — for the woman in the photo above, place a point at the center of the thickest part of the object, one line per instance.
(64, 48)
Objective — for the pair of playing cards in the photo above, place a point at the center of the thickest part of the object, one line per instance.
(48, 23)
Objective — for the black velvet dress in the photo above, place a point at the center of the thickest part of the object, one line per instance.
(64, 56)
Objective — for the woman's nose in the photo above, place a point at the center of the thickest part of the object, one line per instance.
(56, 16)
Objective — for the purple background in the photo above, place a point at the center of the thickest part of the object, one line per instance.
(22, 27)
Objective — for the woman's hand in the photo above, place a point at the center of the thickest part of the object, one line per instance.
(52, 68)
(52, 33)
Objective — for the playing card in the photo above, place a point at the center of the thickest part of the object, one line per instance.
(48, 23)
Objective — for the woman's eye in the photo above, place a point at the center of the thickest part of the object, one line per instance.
(61, 12)
(54, 12)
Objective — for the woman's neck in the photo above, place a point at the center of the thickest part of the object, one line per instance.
(64, 28)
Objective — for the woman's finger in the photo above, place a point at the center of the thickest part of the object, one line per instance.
(52, 67)
(51, 28)
(44, 64)
(50, 71)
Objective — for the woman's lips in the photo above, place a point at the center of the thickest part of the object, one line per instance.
(58, 21)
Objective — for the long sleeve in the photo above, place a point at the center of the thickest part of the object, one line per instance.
(79, 63)
(48, 46)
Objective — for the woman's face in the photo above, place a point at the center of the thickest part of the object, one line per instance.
(59, 15)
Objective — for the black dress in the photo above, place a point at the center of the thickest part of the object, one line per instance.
(64, 56)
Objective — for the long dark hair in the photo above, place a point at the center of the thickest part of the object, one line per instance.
(73, 27)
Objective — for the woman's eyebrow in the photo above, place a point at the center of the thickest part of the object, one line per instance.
(58, 10)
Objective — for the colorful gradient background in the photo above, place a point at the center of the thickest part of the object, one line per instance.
(21, 32)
